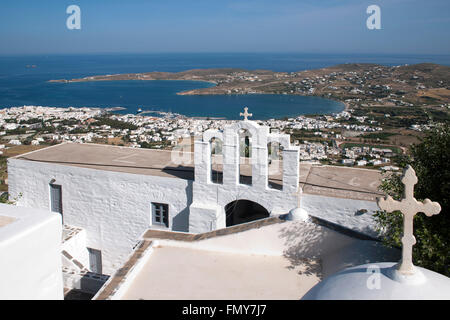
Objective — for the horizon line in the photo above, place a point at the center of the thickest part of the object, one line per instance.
(223, 52)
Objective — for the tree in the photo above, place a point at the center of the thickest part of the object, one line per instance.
(431, 161)
(5, 199)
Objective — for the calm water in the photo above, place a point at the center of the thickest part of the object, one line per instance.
(22, 85)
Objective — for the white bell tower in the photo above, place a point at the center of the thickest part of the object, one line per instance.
(209, 197)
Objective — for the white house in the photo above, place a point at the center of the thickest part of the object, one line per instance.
(15, 142)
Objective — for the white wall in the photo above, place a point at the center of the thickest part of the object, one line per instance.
(113, 207)
(76, 247)
(30, 255)
(342, 212)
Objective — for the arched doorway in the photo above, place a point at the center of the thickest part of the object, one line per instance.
(242, 211)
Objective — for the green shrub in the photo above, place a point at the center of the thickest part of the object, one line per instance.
(431, 161)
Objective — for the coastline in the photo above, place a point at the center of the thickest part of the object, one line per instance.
(171, 114)
(340, 83)
(229, 81)
(344, 84)
(346, 106)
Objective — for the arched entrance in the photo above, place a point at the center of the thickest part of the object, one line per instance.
(242, 211)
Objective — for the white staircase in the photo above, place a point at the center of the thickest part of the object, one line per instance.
(74, 257)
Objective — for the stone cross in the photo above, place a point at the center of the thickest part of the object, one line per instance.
(246, 114)
(409, 206)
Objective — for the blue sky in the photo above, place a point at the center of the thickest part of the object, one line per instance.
(312, 26)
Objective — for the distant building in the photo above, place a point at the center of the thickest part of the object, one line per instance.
(348, 162)
(15, 142)
(361, 163)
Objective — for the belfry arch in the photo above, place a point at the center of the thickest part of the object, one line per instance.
(211, 198)
(216, 160)
(245, 157)
(275, 165)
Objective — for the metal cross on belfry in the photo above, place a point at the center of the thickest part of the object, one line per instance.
(246, 114)
(409, 206)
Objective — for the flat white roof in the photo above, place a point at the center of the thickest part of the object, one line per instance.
(15, 220)
(332, 181)
(182, 273)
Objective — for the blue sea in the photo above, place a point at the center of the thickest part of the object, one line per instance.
(21, 84)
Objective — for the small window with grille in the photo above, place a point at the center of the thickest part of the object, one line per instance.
(160, 214)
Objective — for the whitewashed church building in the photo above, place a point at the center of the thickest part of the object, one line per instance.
(108, 196)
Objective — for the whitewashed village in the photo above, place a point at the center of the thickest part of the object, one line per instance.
(176, 201)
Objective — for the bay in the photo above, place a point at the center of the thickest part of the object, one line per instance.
(24, 81)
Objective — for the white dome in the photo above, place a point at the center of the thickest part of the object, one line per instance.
(297, 214)
(381, 281)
